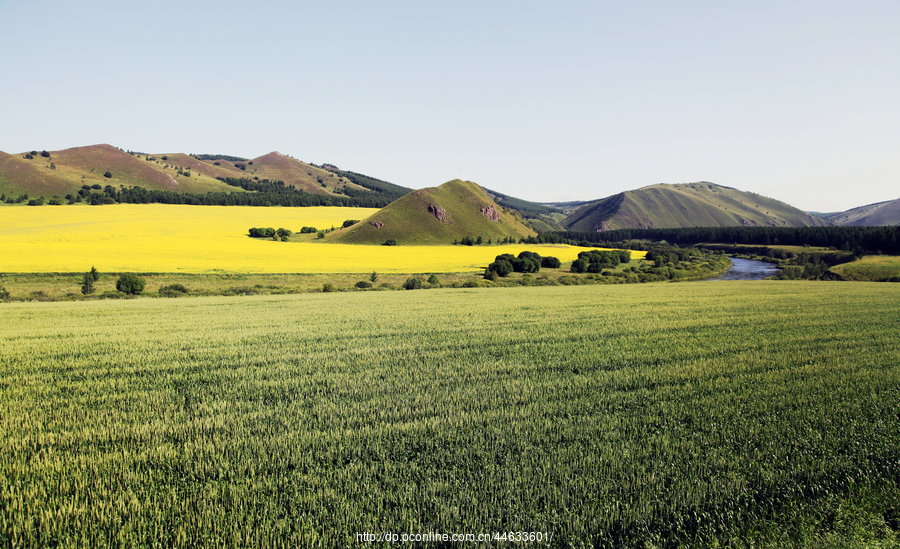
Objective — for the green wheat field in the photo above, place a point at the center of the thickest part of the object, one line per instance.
(740, 414)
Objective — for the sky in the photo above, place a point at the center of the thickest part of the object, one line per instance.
(798, 100)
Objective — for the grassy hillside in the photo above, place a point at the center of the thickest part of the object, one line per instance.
(20, 176)
(437, 215)
(700, 204)
(882, 213)
(64, 172)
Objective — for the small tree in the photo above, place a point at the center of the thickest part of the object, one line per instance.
(130, 284)
(107, 174)
(373, 277)
(87, 284)
(95, 274)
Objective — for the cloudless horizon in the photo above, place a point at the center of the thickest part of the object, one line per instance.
(796, 99)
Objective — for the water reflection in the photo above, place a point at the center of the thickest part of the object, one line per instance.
(747, 269)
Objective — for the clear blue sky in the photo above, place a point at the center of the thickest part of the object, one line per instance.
(547, 101)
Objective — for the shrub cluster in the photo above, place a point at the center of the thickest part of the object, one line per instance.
(526, 262)
(595, 261)
(412, 284)
(173, 290)
(269, 232)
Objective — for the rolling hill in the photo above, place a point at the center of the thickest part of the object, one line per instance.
(437, 215)
(58, 173)
(701, 204)
(881, 213)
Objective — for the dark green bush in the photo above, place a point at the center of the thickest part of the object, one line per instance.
(390, 242)
(412, 283)
(363, 284)
(501, 267)
(130, 284)
(550, 262)
(262, 232)
(173, 290)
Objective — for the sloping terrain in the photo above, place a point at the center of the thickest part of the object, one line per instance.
(700, 204)
(35, 176)
(881, 213)
(438, 215)
(540, 217)
(58, 173)
(66, 171)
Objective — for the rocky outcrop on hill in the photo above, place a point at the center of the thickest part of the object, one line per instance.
(440, 213)
(491, 213)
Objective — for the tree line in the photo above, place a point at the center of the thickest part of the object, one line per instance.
(262, 193)
(856, 239)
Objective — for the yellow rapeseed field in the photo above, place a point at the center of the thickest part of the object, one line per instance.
(209, 239)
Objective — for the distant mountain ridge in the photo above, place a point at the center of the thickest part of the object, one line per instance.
(880, 213)
(201, 178)
(65, 172)
(701, 204)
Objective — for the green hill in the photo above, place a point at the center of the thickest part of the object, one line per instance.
(437, 215)
(700, 204)
(882, 213)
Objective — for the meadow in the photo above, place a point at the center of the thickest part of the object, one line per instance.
(762, 414)
(164, 238)
(872, 268)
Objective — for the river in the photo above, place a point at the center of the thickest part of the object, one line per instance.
(747, 269)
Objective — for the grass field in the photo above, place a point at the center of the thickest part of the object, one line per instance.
(731, 414)
(162, 238)
(871, 268)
